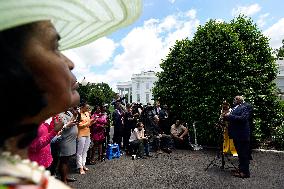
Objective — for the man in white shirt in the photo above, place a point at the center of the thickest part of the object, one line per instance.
(138, 139)
(180, 135)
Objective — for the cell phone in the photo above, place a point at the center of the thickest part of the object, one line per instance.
(78, 119)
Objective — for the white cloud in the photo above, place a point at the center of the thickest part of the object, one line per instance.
(276, 33)
(168, 23)
(96, 53)
(219, 20)
(191, 13)
(246, 10)
(262, 20)
(143, 48)
(172, 1)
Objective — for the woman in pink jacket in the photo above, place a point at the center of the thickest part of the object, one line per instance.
(39, 149)
(98, 133)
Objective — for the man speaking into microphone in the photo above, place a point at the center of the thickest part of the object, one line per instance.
(239, 131)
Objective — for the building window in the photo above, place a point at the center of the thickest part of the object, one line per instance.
(138, 97)
(147, 85)
(147, 98)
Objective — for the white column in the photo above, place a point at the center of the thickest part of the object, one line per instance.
(123, 93)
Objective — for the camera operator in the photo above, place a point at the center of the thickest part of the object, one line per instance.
(136, 111)
(164, 120)
(149, 115)
(129, 126)
(117, 117)
(118, 99)
(180, 135)
(157, 108)
(161, 141)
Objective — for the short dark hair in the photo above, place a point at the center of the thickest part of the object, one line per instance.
(139, 124)
(20, 95)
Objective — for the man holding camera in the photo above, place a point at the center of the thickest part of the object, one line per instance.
(239, 130)
(179, 134)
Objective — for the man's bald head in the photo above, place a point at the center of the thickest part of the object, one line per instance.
(238, 100)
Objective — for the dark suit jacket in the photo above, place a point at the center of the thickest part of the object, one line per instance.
(250, 119)
(239, 123)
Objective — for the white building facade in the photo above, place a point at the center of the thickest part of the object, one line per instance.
(139, 89)
(125, 89)
(280, 77)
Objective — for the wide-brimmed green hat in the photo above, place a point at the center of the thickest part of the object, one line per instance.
(78, 22)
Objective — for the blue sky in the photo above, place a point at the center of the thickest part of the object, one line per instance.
(141, 46)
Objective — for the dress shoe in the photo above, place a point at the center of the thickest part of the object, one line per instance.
(70, 179)
(235, 171)
(167, 150)
(241, 175)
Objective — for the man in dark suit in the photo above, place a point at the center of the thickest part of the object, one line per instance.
(164, 120)
(251, 127)
(239, 131)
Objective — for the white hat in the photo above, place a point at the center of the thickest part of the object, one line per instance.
(78, 22)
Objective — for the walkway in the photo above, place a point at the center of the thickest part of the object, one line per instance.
(181, 169)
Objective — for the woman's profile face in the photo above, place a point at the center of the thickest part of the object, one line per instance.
(51, 69)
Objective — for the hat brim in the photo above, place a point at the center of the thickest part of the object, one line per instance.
(78, 22)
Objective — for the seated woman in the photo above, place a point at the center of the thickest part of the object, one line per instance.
(138, 140)
(180, 135)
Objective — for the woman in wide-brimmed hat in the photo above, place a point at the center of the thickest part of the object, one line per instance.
(37, 77)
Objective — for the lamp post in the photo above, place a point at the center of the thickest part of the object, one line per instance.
(84, 82)
(195, 146)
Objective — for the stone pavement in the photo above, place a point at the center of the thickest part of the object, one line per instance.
(182, 169)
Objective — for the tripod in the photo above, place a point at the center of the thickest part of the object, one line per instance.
(220, 154)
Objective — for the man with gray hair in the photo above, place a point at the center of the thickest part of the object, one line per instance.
(239, 130)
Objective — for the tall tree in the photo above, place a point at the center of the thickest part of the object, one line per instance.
(221, 61)
(280, 52)
(96, 93)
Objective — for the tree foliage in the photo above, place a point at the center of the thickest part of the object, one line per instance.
(96, 93)
(280, 52)
(221, 61)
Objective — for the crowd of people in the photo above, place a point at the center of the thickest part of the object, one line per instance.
(33, 67)
(155, 122)
(84, 132)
